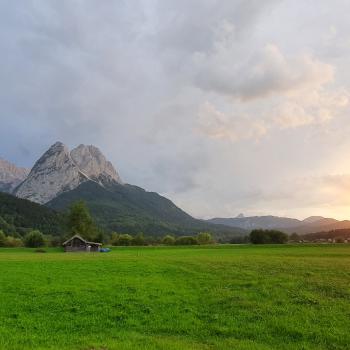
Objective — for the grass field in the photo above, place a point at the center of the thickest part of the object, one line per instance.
(221, 297)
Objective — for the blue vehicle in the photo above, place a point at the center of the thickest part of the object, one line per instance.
(105, 250)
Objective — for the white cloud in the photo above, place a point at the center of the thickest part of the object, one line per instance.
(219, 125)
(256, 120)
(140, 78)
(266, 89)
(310, 108)
(257, 74)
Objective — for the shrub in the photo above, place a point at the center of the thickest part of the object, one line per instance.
(168, 240)
(125, 240)
(186, 240)
(268, 236)
(13, 242)
(138, 240)
(114, 240)
(204, 238)
(40, 250)
(34, 239)
(277, 236)
(294, 237)
(55, 241)
(259, 237)
(2, 239)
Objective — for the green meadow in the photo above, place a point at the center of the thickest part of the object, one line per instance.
(221, 297)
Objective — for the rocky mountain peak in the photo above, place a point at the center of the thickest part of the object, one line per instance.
(93, 163)
(58, 145)
(59, 170)
(11, 175)
(57, 154)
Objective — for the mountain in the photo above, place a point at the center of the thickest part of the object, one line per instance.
(324, 224)
(61, 177)
(59, 170)
(17, 216)
(131, 209)
(254, 222)
(312, 219)
(332, 234)
(93, 164)
(11, 175)
(288, 225)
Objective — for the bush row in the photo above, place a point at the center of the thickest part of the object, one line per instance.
(139, 240)
(35, 239)
(32, 239)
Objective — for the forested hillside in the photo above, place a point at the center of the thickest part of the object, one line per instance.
(131, 209)
(18, 216)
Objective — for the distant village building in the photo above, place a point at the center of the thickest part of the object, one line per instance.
(79, 244)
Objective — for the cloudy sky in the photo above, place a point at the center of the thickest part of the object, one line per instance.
(224, 106)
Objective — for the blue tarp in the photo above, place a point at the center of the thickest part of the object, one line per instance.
(105, 250)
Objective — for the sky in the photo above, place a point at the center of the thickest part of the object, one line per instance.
(223, 106)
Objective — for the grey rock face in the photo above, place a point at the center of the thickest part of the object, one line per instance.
(59, 170)
(52, 174)
(93, 164)
(11, 175)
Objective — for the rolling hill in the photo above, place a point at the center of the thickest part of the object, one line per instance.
(18, 216)
(288, 225)
(131, 209)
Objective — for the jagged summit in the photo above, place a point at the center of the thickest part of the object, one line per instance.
(93, 163)
(11, 175)
(59, 170)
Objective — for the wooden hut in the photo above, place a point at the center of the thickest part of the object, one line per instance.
(79, 244)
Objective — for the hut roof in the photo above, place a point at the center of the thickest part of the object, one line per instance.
(82, 239)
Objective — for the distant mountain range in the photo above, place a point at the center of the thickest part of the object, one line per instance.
(288, 225)
(61, 177)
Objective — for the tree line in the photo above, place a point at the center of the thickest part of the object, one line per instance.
(36, 239)
(260, 236)
(79, 221)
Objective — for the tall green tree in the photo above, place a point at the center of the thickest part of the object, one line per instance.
(80, 221)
